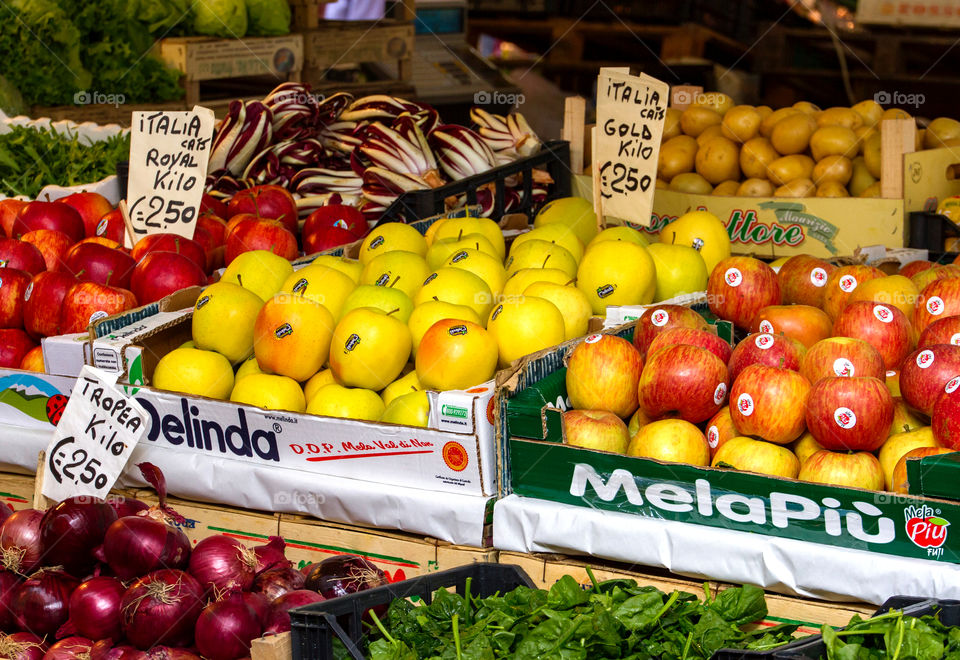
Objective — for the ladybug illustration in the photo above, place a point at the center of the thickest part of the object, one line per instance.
(55, 406)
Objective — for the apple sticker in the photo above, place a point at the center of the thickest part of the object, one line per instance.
(745, 404)
(952, 385)
(764, 341)
(955, 339)
(882, 313)
(845, 418)
(925, 359)
(720, 393)
(660, 317)
(28, 292)
(713, 436)
(935, 305)
(843, 367)
(765, 326)
(733, 277)
(96, 316)
(593, 339)
(818, 276)
(848, 283)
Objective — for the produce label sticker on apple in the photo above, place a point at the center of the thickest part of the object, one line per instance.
(168, 167)
(630, 114)
(94, 439)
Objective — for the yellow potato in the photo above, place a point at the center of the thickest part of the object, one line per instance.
(665, 185)
(863, 133)
(870, 112)
(939, 130)
(755, 188)
(791, 168)
(671, 124)
(741, 123)
(696, 119)
(834, 168)
(894, 113)
(716, 101)
(861, 179)
(676, 156)
(771, 120)
(756, 156)
(806, 107)
(951, 142)
(833, 140)
(718, 160)
(872, 191)
(846, 117)
(691, 182)
(792, 135)
(765, 111)
(726, 188)
(832, 189)
(709, 132)
(871, 155)
(796, 188)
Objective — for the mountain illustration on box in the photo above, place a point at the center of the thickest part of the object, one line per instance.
(32, 397)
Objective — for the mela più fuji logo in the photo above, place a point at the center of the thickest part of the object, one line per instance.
(924, 528)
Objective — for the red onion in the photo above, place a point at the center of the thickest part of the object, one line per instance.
(271, 554)
(275, 582)
(5, 511)
(161, 608)
(306, 568)
(278, 620)
(222, 563)
(125, 506)
(150, 540)
(40, 604)
(225, 629)
(8, 587)
(105, 650)
(257, 602)
(20, 541)
(22, 646)
(95, 609)
(168, 653)
(342, 575)
(72, 530)
(70, 648)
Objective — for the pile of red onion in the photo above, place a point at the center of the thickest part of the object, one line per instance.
(117, 580)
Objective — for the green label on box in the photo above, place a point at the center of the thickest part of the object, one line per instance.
(454, 411)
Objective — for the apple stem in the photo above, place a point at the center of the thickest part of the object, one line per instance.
(395, 280)
(545, 261)
(435, 298)
(392, 311)
(781, 362)
(569, 282)
(460, 235)
(239, 279)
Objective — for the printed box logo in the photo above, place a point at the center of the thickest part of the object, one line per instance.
(924, 528)
(453, 411)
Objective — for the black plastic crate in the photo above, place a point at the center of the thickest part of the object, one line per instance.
(554, 157)
(315, 626)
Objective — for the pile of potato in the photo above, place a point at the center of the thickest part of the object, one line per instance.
(716, 147)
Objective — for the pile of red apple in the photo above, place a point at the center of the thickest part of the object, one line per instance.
(838, 361)
(63, 264)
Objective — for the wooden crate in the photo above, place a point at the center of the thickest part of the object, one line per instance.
(204, 59)
(205, 519)
(306, 14)
(16, 490)
(336, 43)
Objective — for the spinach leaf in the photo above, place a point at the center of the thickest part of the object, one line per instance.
(566, 593)
(740, 605)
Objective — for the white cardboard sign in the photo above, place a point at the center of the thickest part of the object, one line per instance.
(95, 437)
(168, 168)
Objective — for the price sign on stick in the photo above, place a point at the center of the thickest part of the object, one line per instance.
(168, 167)
(630, 114)
(93, 440)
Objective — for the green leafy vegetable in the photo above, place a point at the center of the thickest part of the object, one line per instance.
(31, 159)
(268, 17)
(893, 636)
(220, 18)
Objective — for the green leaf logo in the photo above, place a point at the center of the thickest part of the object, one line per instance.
(938, 521)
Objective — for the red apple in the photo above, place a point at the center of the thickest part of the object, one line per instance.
(938, 300)
(660, 318)
(803, 280)
(687, 379)
(768, 403)
(42, 301)
(159, 274)
(691, 337)
(739, 287)
(209, 203)
(926, 372)
(336, 215)
(105, 242)
(767, 349)
(941, 331)
(49, 215)
(914, 267)
(945, 418)
(91, 206)
(720, 428)
(235, 220)
(53, 245)
(215, 226)
(86, 302)
(9, 208)
(111, 226)
(13, 283)
(925, 277)
(22, 256)
(14, 345)
(884, 327)
(602, 374)
(269, 202)
(841, 356)
(842, 282)
(839, 468)
(326, 238)
(806, 324)
(260, 235)
(91, 262)
(600, 430)
(213, 251)
(33, 360)
(188, 247)
(899, 483)
(850, 413)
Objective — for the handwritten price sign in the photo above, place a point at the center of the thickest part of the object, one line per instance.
(168, 166)
(93, 440)
(630, 114)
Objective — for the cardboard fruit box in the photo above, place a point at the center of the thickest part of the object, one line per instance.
(811, 539)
